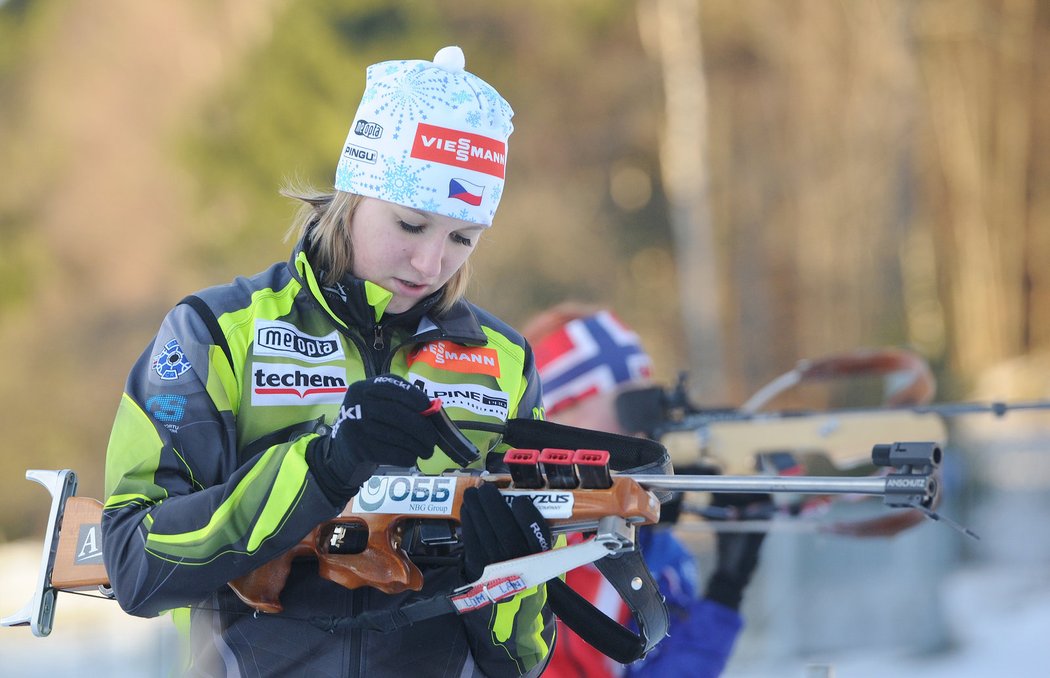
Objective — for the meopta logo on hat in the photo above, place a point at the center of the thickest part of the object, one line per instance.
(430, 136)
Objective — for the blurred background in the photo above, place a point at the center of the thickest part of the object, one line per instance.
(747, 182)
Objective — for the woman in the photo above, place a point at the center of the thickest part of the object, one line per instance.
(263, 405)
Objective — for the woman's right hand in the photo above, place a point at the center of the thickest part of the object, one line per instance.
(381, 421)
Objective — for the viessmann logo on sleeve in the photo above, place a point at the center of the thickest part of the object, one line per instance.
(460, 149)
(447, 356)
(276, 338)
(294, 385)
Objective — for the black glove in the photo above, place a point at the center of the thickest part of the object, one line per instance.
(381, 421)
(494, 531)
(737, 551)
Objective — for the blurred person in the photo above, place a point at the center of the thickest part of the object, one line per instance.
(586, 357)
(263, 405)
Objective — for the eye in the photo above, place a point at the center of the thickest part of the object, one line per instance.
(462, 239)
(411, 228)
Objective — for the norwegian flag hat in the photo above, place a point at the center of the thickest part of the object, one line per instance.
(430, 136)
(587, 356)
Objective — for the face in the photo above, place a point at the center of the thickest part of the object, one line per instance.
(597, 412)
(408, 252)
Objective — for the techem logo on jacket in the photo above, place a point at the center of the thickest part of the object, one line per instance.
(461, 189)
(294, 385)
(276, 338)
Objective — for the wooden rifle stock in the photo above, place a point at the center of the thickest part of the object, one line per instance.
(78, 560)
(383, 563)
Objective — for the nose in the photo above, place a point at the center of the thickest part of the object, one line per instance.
(427, 258)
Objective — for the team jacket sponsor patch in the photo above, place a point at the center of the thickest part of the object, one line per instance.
(295, 385)
(171, 363)
(276, 338)
(477, 399)
(445, 355)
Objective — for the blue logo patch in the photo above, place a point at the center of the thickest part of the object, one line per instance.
(167, 408)
(171, 363)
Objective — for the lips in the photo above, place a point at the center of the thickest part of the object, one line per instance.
(408, 288)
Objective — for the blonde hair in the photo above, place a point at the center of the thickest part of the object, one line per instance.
(327, 216)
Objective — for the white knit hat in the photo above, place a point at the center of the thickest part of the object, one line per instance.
(431, 136)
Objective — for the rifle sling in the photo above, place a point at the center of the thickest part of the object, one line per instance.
(605, 634)
(625, 572)
(386, 621)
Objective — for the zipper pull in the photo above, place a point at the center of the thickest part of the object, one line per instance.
(377, 342)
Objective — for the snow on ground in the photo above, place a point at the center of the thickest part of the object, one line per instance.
(998, 619)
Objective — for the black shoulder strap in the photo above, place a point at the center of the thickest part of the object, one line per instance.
(629, 575)
(211, 322)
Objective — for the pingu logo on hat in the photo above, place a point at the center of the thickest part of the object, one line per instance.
(431, 136)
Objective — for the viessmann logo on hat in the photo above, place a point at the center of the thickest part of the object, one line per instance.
(460, 149)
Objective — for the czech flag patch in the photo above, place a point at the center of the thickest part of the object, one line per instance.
(469, 193)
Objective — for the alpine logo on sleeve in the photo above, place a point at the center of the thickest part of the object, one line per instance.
(294, 385)
(445, 355)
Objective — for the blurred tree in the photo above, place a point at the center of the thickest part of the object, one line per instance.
(671, 31)
(983, 89)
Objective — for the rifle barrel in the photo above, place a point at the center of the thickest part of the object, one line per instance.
(763, 484)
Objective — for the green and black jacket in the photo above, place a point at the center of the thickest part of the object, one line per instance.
(206, 477)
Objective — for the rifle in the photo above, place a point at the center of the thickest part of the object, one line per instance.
(745, 439)
(575, 489)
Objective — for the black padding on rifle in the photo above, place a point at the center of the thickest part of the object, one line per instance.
(603, 633)
(627, 454)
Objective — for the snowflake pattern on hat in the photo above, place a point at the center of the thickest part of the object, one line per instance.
(422, 132)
